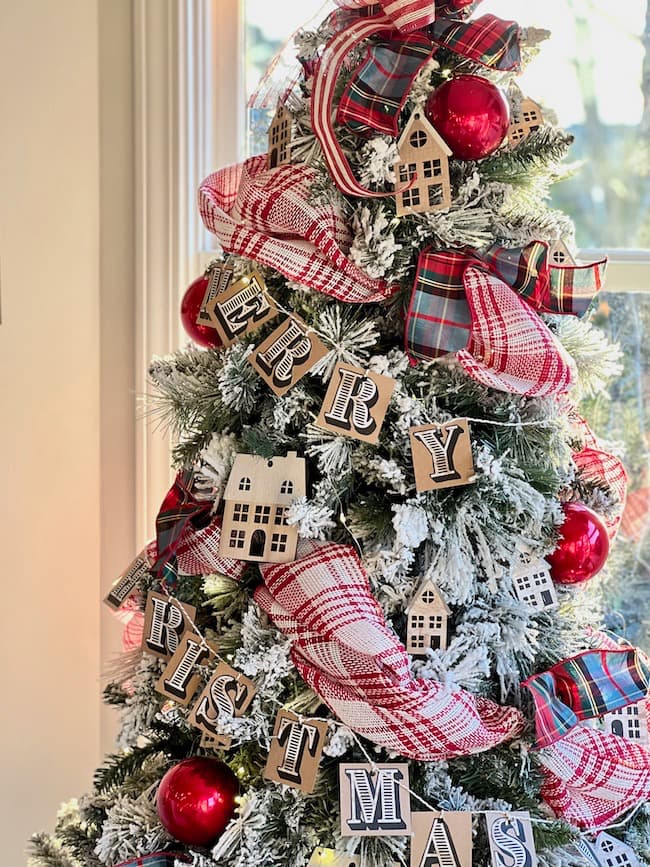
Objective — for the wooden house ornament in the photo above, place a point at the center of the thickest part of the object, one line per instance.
(533, 585)
(559, 254)
(526, 119)
(611, 852)
(279, 151)
(423, 167)
(630, 722)
(427, 620)
(256, 499)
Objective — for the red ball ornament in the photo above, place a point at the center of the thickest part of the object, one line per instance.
(190, 306)
(196, 800)
(583, 548)
(471, 114)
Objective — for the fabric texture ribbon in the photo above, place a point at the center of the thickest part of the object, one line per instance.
(584, 687)
(156, 859)
(270, 216)
(487, 40)
(344, 651)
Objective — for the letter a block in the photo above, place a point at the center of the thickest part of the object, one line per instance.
(295, 751)
(442, 455)
(287, 355)
(375, 800)
(441, 839)
(356, 402)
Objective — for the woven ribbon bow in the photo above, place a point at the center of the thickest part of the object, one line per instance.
(343, 649)
(483, 308)
(487, 40)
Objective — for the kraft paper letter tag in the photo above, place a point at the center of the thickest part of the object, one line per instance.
(295, 751)
(356, 402)
(215, 742)
(511, 839)
(127, 582)
(442, 455)
(165, 621)
(180, 679)
(375, 800)
(221, 275)
(287, 355)
(441, 839)
(227, 694)
(242, 308)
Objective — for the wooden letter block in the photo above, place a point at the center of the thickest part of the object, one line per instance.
(375, 800)
(242, 308)
(511, 839)
(221, 275)
(180, 680)
(438, 840)
(227, 694)
(442, 455)
(165, 621)
(127, 582)
(215, 742)
(295, 751)
(356, 402)
(287, 355)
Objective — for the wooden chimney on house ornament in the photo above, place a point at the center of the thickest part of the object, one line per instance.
(422, 182)
(257, 496)
(427, 619)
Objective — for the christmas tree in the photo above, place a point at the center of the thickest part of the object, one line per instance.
(368, 630)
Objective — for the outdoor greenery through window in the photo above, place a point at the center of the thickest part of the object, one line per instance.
(595, 72)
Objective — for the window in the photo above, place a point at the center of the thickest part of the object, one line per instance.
(240, 512)
(523, 582)
(435, 621)
(245, 484)
(428, 597)
(237, 538)
(411, 197)
(407, 171)
(262, 514)
(432, 168)
(279, 542)
(286, 487)
(280, 516)
(418, 139)
(416, 642)
(417, 621)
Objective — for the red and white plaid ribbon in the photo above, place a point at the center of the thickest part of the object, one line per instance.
(510, 348)
(592, 778)
(198, 553)
(270, 216)
(344, 651)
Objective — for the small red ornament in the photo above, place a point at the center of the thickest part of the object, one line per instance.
(190, 306)
(471, 114)
(583, 548)
(196, 800)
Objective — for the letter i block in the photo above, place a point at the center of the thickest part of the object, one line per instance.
(442, 455)
(356, 402)
(375, 800)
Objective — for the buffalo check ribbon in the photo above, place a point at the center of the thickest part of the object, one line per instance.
(586, 686)
(487, 40)
(345, 652)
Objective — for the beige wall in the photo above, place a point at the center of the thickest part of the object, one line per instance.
(65, 341)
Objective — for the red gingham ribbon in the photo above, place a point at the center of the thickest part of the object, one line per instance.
(269, 216)
(344, 651)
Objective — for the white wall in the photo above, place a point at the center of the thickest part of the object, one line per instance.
(63, 343)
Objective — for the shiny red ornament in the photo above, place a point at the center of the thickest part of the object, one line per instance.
(583, 548)
(190, 306)
(471, 114)
(196, 800)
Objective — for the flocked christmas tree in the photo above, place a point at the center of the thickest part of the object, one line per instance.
(366, 632)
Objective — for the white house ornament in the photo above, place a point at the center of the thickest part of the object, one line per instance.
(220, 276)
(287, 355)
(165, 622)
(427, 620)
(441, 840)
(295, 751)
(559, 253)
(257, 496)
(375, 800)
(227, 694)
(511, 839)
(630, 722)
(533, 585)
(127, 582)
(442, 455)
(356, 402)
(180, 679)
(526, 119)
(279, 138)
(422, 172)
(242, 308)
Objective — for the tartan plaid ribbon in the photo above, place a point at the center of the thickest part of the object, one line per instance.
(584, 687)
(344, 651)
(488, 40)
(409, 15)
(270, 216)
(178, 509)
